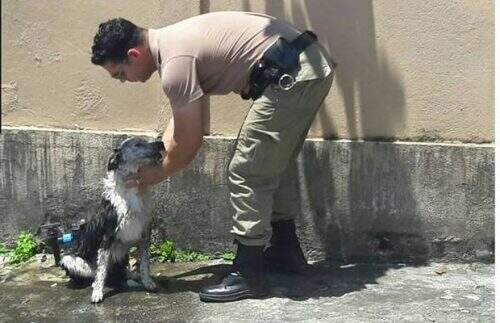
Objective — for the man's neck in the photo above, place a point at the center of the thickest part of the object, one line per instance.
(147, 50)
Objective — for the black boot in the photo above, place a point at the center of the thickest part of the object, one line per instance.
(246, 280)
(284, 253)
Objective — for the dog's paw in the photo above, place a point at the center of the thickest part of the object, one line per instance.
(149, 284)
(97, 296)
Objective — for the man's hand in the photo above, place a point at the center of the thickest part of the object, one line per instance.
(146, 177)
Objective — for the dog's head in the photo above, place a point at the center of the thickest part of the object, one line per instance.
(134, 153)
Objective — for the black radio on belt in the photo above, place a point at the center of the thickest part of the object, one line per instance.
(277, 64)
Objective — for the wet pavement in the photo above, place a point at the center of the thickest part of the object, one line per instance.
(435, 292)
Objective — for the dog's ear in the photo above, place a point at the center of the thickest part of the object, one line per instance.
(114, 160)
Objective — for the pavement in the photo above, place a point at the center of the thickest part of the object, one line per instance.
(329, 292)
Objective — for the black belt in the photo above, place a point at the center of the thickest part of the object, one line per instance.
(277, 64)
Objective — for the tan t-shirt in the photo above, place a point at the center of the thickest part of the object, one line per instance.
(213, 53)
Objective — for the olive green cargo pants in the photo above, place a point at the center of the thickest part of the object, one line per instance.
(270, 139)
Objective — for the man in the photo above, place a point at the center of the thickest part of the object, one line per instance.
(219, 53)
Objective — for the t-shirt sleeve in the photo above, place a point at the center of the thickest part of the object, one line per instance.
(180, 81)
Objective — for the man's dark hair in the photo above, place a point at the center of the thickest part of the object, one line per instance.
(113, 39)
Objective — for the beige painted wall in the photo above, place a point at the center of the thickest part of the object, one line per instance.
(412, 70)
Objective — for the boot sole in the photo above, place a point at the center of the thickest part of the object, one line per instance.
(231, 297)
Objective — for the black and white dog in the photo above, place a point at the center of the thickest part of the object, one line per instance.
(123, 220)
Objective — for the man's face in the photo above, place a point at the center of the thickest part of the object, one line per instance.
(133, 69)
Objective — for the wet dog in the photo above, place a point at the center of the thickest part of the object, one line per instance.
(122, 221)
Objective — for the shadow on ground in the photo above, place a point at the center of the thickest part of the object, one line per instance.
(322, 279)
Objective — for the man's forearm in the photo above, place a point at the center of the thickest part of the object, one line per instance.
(178, 154)
(181, 139)
(176, 159)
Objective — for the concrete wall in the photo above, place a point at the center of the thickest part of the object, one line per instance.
(357, 200)
(407, 70)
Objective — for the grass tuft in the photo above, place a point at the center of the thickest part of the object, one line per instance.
(26, 247)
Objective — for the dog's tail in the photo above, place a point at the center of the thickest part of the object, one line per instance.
(77, 268)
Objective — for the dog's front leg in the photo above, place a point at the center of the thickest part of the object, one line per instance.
(100, 276)
(146, 279)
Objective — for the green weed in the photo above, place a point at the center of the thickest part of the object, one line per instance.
(26, 247)
(227, 255)
(188, 256)
(165, 252)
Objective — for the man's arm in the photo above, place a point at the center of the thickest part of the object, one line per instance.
(182, 139)
(205, 107)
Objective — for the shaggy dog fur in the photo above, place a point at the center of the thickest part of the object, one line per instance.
(123, 220)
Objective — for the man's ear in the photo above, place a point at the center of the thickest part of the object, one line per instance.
(133, 52)
(114, 160)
